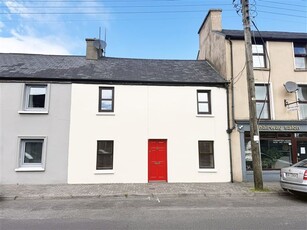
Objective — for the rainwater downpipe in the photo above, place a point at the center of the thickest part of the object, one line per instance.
(230, 129)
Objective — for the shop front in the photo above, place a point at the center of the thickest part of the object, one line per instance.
(282, 143)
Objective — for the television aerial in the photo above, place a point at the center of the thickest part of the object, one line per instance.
(100, 44)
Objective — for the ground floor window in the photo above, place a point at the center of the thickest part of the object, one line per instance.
(104, 155)
(278, 150)
(31, 152)
(206, 154)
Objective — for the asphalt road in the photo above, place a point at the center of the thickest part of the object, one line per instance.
(258, 212)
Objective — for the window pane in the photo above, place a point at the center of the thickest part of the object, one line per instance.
(106, 93)
(206, 156)
(300, 50)
(203, 107)
(275, 154)
(261, 92)
(265, 110)
(206, 161)
(300, 63)
(104, 155)
(106, 105)
(203, 102)
(302, 93)
(257, 49)
(258, 61)
(33, 152)
(36, 96)
(205, 147)
(203, 97)
(303, 111)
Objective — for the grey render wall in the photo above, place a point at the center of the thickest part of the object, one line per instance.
(54, 125)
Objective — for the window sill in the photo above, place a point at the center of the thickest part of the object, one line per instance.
(30, 169)
(261, 69)
(207, 170)
(105, 114)
(300, 70)
(98, 172)
(204, 115)
(32, 112)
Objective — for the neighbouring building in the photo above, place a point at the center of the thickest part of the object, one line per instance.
(280, 70)
(93, 119)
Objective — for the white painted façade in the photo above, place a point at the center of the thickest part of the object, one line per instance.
(143, 113)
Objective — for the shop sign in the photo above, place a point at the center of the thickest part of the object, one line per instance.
(279, 128)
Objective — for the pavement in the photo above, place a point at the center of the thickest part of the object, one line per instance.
(65, 191)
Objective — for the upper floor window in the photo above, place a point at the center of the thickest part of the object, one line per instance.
(300, 55)
(35, 97)
(203, 102)
(258, 56)
(302, 99)
(262, 101)
(106, 99)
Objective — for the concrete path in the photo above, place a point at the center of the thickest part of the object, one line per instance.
(62, 191)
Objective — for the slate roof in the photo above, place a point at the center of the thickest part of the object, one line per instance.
(78, 69)
(267, 35)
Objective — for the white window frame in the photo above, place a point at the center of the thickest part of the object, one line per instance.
(299, 56)
(299, 104)
(258, 54)
(30, 167)
(271, 100)
(25, 99)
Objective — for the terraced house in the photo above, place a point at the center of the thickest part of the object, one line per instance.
(94, 119)
(280, 70)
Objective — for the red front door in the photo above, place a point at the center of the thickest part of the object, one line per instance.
(157, 165)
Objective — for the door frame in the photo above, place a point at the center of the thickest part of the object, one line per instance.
(166, 168)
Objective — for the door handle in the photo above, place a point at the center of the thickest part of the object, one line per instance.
(157, 162)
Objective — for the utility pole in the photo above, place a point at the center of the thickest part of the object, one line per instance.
(254, 133)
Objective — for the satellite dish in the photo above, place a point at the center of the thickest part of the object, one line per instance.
(100, 44)
(291, 86)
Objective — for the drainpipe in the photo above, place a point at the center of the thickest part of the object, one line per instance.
(232, 86)
(230, 129)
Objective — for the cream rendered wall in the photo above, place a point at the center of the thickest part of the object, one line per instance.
(142, 113)
(282, 70)
(213, 49)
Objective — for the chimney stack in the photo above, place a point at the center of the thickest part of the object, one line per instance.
(213, 20)
(92, 52)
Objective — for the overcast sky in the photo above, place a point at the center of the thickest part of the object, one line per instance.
(158, 29)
